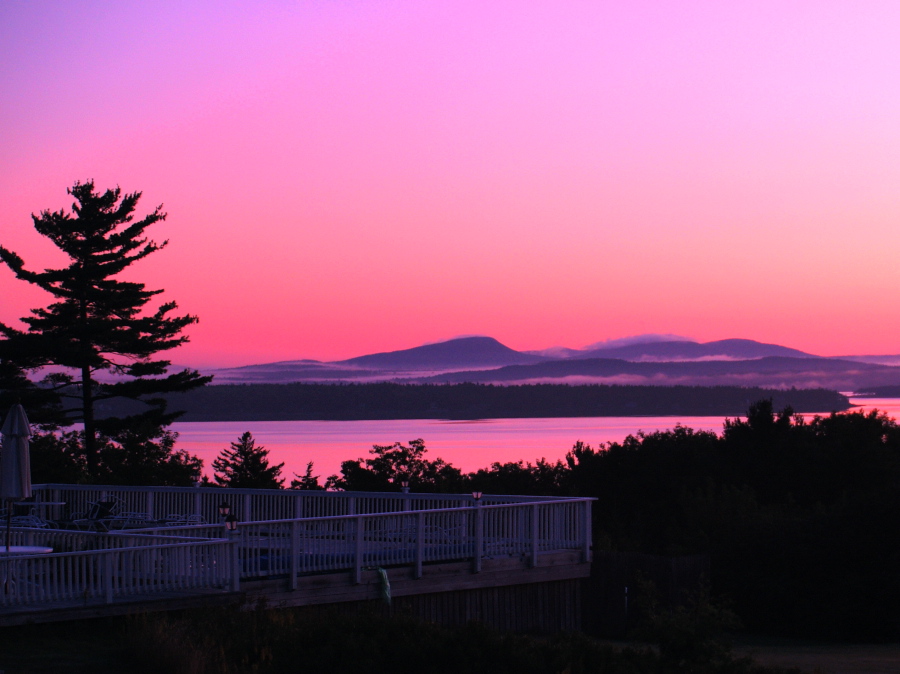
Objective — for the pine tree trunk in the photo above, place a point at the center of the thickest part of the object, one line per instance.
(87, 396)
(90, 430)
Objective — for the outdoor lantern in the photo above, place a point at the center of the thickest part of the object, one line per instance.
(231, 522)
(476, 495)
(404, 486)
(224, 509)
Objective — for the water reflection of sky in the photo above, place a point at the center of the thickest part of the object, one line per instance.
(469, 445)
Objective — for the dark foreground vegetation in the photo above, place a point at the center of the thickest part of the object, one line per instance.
(297, 641)
(798, 517)
(270, 402)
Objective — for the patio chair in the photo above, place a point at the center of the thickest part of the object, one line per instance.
(130, 520)
(98, 516)
(176, 520)
(29, 521)
(23, 514)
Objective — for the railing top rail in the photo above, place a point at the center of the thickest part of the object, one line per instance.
(495, 506)
(206, 489)
(152, 531)
(147, 532)
(105, 551)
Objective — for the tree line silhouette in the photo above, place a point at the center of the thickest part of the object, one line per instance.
(266, 402)
(797, 516)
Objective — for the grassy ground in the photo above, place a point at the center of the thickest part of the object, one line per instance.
(822, 658)
(95, 646)
(102, 647)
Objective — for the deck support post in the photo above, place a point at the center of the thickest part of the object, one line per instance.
(587, 533)
(420, 542)
(358, 556)
(479, 538)
(235, 565)
(295, 553)
(107, 576)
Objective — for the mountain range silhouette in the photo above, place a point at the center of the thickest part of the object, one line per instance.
(484, 359)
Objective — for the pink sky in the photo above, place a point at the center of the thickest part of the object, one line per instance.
(347, 177)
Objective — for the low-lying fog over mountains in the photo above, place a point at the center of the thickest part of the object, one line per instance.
(650, 359)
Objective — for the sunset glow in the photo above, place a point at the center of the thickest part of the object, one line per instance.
(350, 177)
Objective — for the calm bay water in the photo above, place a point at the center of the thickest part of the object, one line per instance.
(468, 445)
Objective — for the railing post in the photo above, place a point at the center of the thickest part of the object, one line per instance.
(479, 537)
(235, 565)
(107, 576)
(535, 532)
(198, 502)
(295, 553)
(248, 507)
(420, 542)
(587, 533)
(357, 558)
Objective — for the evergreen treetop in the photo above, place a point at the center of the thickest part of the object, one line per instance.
(247, 465)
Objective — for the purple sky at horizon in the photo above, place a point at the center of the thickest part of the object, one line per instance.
(350, 177)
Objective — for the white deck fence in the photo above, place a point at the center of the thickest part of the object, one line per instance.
(253, 505)
(372, 530)
(89, 577)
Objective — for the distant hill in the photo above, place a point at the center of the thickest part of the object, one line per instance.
(566, 352)
(462, 353)
(888, 359)
(293, 370)
(723, 349)
(879, 392)
(606, 367)
(772, 371)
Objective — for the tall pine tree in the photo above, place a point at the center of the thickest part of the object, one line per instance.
(99, 322)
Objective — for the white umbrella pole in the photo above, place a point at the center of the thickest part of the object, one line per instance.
(8, 527)
(9, 506)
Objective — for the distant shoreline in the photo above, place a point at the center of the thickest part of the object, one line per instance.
(466, 402)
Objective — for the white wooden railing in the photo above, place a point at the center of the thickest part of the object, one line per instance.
(252, 504)
(103, 576)
(380, 530)
(353, 542)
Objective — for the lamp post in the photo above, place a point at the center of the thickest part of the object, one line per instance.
(231, 523)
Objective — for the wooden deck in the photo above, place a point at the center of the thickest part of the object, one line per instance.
(419, 545)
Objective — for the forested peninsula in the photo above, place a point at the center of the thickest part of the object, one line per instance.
(347, 402)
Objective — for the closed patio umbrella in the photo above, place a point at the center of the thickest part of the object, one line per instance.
(15, 463)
